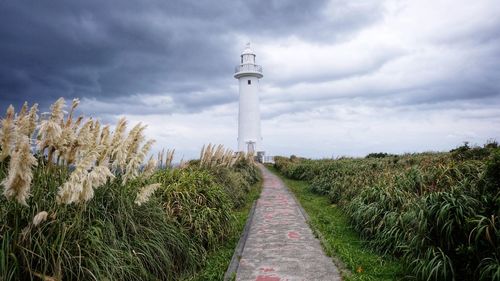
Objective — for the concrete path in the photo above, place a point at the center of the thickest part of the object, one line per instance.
(280, 245)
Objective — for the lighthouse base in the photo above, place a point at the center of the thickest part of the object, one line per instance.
(261, 155)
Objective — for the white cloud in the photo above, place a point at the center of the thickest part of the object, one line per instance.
(187, 133)
(423, 77)
(357, 130)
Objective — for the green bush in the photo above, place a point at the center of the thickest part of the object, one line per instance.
(85, 204)
(111, 237)
(194, 201)
(439, 212)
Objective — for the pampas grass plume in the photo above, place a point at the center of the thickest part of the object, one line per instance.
(23, 111)
(145, 193)
(26, 121)
(7, 133)
(132, 168)
(17, 184)
(169, 158)
(70, 191)
(96, 178)
(50, 130)
(32, 119)
(40, 217)
(149, 168)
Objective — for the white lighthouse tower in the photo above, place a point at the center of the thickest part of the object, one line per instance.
(248, 74)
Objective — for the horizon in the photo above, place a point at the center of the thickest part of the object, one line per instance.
(341, 78)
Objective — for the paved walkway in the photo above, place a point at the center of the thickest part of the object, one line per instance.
(280, 245)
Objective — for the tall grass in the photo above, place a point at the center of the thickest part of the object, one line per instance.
(439, 212)
(87, 205)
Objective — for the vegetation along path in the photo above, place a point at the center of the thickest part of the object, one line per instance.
(280, 245)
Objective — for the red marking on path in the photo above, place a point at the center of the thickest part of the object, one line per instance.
(267, 278)
(267, 269)
(293, 235)
(268, 216)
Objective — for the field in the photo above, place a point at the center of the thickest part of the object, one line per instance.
(436, 212)
(84, 202)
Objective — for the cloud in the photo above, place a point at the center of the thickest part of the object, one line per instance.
(115, 49)
(341, 77)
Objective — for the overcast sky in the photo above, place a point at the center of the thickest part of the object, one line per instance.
(340, 77)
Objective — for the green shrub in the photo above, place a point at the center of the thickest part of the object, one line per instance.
(80, 242)
(194, 201)
(163, 239)
(86, 205)
(439, 212)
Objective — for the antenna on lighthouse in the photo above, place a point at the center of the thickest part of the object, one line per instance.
(248, 73)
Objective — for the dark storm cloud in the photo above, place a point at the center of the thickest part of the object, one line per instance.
(110, 49)
(52, 49)
(116, 53)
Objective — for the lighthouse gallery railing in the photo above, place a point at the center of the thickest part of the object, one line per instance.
(248, 67)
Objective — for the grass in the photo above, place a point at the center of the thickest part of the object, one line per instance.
(101, 206)
(429, 210)
(339, 239)
(218, 259)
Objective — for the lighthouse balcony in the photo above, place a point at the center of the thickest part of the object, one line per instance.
(248, 70)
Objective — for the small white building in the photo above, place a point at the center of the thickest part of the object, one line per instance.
(248, 73)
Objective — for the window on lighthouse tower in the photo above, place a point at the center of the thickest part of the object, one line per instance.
(249, 82)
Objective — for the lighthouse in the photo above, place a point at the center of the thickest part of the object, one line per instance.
(248, 74)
